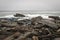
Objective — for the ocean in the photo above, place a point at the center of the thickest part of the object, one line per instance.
(31, 13)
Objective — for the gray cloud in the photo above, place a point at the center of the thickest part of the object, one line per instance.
(30, 5)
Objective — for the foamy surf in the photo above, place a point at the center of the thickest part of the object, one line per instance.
(28, 16)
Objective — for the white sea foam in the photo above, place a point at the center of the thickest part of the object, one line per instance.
(8, 16)
(36, 15)
(28, 16)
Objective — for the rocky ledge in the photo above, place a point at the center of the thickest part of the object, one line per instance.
(30, 29)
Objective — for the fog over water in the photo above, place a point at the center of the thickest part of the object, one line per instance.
(46, 13)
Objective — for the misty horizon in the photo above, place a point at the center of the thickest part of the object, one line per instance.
(14, 5)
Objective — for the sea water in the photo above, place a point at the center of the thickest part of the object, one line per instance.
(30, 13)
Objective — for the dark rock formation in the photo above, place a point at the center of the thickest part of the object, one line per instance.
(55, 17)
(24, 22)
(19, 15)
(30, 29)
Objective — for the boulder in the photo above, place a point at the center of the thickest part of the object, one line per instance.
(19, 15)
(55, 17)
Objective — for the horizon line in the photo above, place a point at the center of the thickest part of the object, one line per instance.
(29, 10)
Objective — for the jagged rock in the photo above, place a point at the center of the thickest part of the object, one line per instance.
(24, 22)
(36, 28)
(8, 23)
(13, 36)
(55, 17)
(19, 15)
(37, 18)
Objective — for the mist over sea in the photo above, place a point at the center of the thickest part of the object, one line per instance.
(46, 13)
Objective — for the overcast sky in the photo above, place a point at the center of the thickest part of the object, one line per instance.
(30, 5)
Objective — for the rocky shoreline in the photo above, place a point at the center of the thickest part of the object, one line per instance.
(36, 28)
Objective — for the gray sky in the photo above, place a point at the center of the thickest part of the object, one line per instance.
(30, 5)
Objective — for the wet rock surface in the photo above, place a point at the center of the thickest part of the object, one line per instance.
(30, 29)
(19, 15)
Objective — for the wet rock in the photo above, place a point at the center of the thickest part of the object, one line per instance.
(8, 23)
(34, 29)
(55, 17)
(19, 15)
(12, 36)
(37, 18)
(24, 22)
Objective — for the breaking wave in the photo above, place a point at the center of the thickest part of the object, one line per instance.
(28, 15)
